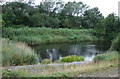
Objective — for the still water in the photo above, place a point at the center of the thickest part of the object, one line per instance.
(58, 50)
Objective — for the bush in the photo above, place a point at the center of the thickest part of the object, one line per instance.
(107, 56)
(14, 53)
(116, 44)
(100, 57)
(46, 61)
(72, 58)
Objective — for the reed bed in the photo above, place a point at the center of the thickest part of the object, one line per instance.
(37, 35)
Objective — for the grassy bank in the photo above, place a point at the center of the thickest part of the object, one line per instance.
(67, 71)
(14, 53)
(47, 35)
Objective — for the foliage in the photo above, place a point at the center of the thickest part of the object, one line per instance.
(108, 27)
(92, 17)
(67, 23)
(19, 73)
(47, 35)
(112, 27)
(111, 56)
(8, 73)
(75, 8)
(43, 20)
(100, 29)
(50, 7)
(116, 44)
(14, 53)
(46, 61)
(55, 14)
(72, 58)
(16, 13)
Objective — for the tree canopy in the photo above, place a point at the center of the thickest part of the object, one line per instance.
(58, 14)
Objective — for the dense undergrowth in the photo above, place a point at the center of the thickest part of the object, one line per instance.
(116, 43)
(14, 53)
(108, 56)
(39, 35)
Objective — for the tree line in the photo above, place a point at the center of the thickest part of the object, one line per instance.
(57, 14)
(53, 14)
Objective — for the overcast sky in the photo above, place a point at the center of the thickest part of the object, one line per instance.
(105, 6)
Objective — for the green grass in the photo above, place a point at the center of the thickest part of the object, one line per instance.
(72, 58)
(8, 73)
(37, 35)
(14, 53)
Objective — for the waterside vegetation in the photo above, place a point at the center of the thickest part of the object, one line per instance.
(14, 54)
(66, 70)
(55, 22)
(42, 35)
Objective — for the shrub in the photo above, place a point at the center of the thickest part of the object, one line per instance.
(14, 53)
(100, 57)
(72, 58)
(46, 61)
(107, 56)
(116, 44)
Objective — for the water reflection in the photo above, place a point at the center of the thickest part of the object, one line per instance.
(56, 51)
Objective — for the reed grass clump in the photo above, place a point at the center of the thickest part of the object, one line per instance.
(72, 58)
(14, 53)
(109, 56)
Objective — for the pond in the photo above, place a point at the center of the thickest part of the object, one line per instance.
(58, 50)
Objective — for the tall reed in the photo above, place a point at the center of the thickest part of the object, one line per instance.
(39, 35)
(14, 53)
